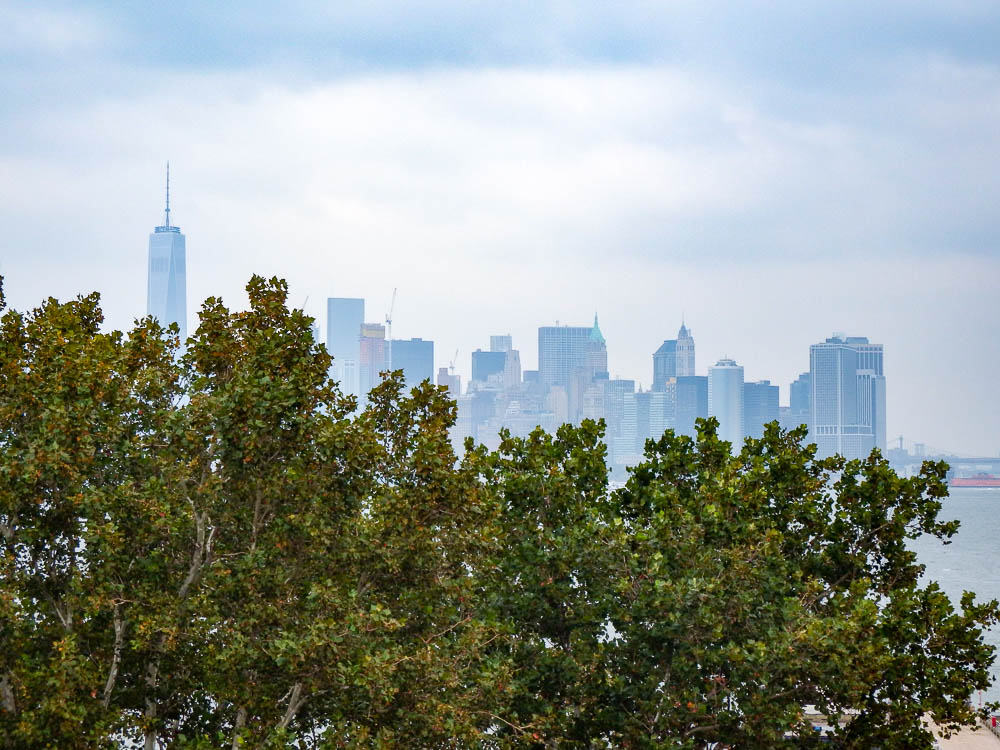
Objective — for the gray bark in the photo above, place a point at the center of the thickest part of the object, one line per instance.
(241, 721)
(152, 672)
(116, 656)
(295, 701)
(7, 695)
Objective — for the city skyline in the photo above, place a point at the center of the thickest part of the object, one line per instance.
(769, 175)
(354, 369)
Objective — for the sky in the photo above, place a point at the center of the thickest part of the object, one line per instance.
(768, 172)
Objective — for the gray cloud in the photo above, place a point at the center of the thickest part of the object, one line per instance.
(773, 175)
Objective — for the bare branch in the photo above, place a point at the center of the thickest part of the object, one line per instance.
(116, 656)
(295, 701)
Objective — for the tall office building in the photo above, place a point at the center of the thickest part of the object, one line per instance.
(797, 413)
(664, 364)
(760, 407)
(725, 400)
(451, 381)
(685, 352)
(645, 415)
(512, 370)
(486, 364)
(800, 393)
(848, 396)
(344, 318)
(415, 357)
(166, 281)
(501, 343)
(597, 352)
(614, 407)
(691, 403)
(572, 358)
(561, 350)
(871, 386)
(372, 357)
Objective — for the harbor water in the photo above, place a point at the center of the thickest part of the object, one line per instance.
(972, 561)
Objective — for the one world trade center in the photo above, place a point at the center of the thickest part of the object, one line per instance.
(166, 295)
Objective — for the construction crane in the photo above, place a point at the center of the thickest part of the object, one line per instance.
(388, 317)
(451, 365)
(388, 330)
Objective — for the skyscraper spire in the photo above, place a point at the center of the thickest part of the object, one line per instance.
(595, 332)
(166, 221)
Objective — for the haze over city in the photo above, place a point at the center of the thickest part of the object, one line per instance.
(770, 176)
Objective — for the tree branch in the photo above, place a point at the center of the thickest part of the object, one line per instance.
(295, 701)
(116, 656)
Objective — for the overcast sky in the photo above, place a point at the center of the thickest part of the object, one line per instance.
(771, 173)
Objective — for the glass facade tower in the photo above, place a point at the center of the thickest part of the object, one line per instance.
(725, 400)
(415, 357)
(166, 280)
(344, 318)
(848, 397)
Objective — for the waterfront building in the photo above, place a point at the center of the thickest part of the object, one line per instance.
(847, 414)
(685, 352)
(760, 407)
(691, 403)
(166, 277)
(344, 318)
(725, 400)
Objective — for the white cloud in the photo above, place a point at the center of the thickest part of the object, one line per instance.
(33, 29)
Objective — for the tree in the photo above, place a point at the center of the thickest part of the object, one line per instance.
(211, 547)
(711, 599)
(206, 550)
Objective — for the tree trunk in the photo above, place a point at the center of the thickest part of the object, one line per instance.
(241, 721)
(152, 672)
(7, 695)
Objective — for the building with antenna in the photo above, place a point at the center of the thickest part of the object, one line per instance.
(166, 287)
(685, 352)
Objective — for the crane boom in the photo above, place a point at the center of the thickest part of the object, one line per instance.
(388, 316)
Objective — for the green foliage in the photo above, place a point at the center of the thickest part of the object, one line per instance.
(210, 547)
